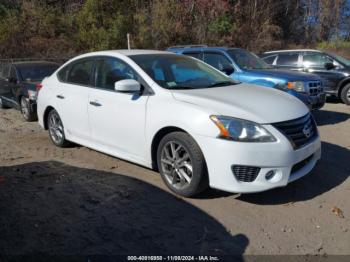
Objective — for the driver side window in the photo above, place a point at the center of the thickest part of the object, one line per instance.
(111, 70)
(315, 60)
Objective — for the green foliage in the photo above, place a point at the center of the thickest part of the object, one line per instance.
(55, 28)
(103, 24)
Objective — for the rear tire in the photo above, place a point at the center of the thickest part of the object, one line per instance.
(56, 129)
(182, 165)
(27, 111)
(345, 94)
(2, 105)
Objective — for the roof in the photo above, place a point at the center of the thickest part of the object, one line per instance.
(127, 52)
(201, 48)
(292, 50)
(30, 63)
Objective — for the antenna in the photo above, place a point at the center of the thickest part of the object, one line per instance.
(128, 37)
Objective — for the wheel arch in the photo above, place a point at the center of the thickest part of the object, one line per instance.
(342, 84)
(156, 140)
(46, 114)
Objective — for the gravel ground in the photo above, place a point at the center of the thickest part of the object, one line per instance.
(78, 201)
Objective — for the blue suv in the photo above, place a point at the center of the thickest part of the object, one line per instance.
(244, 66)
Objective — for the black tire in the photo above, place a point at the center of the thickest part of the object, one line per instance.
(199, 174)
(27, 111)
(2, 104)
(345, 94)
(58, 140)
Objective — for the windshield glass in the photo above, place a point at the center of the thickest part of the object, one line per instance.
(173, 71)
(36, 72)
(247, 60)
(342, 60)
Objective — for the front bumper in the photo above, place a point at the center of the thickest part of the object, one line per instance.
(280, 157)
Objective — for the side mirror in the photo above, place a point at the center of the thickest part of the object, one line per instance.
(329, 66)
(227, 69)
(127, 86)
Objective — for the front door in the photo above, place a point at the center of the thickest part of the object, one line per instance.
(117, 120)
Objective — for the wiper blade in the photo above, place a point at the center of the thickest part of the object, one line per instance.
(223, 83)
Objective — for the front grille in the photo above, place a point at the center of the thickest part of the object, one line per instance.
(300, 131)
(245, 173)
(315, 88)
(298, 166)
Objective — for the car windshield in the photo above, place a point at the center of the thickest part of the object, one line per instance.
(173, 71)
(341, 59)
(247, 60)
(36, 72)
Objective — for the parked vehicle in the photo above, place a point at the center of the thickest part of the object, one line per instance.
(334, 69)
(246, 67)
(181, 116)
(19, 82)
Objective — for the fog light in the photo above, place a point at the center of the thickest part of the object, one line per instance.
(269, 175)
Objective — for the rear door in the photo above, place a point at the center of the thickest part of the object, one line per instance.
(71, 97)
(314, 62)
(117, 120)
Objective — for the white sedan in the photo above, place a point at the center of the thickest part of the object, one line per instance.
(182, 117)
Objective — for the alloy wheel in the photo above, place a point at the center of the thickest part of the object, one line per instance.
(24, 108)
(176, 165)
(56, 128)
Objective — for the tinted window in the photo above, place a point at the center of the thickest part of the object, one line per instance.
(36, 72)
(80, 72)
(63, 73)
(180, 72)
(193, 54)
(111, 70)
(4, 73)
(316, 60)
(216, 60)
(287, 59)
(270, 59)
(247, 60)
(13, 73)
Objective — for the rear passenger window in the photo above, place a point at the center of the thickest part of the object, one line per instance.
(270, 59)
(63, 73)
(80, 73)
(287, 59)
(4, 71)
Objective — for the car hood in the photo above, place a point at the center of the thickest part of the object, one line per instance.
(285, 74)
(250, 102)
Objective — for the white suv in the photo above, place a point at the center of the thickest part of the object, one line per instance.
(183, 117)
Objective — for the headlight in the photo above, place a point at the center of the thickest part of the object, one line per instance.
(297, 86)
(32, 94)
(241, 130)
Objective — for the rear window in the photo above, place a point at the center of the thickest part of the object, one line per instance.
(287, 59)
(36, 72)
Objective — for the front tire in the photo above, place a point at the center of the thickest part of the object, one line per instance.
(56, 129)
(182, 165)
(27, 111)
(345, 94)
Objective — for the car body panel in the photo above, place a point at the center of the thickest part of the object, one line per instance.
(127, 126)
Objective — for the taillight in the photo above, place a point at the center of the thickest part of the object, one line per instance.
(38, 87)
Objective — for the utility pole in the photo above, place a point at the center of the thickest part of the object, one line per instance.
(128, 38)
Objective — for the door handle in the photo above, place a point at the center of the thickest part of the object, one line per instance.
(60, 96)
(95, 103)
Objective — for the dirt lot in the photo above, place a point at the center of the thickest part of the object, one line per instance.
(78, 201)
